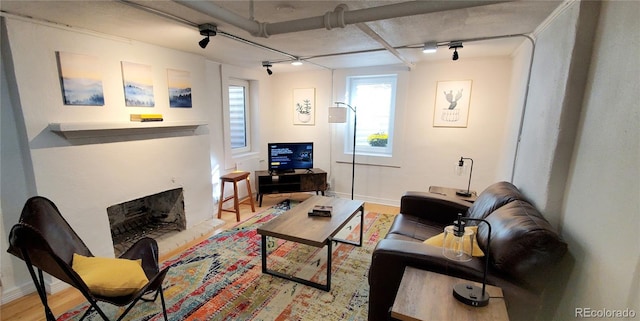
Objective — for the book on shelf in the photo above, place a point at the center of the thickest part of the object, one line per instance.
(321, 210)
(145, 117)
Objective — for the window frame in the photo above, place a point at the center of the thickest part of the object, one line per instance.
(235, 82)
(364, 149)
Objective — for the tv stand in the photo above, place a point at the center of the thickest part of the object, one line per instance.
(281, 171)
(308, 180)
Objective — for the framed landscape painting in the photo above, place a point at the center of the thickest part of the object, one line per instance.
(452, 103)
(179, 88)
(80, 79)
(138, 85)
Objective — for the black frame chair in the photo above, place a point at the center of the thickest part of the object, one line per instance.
(44, 239)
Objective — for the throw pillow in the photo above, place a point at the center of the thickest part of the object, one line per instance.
(110, 277)
(438, 241)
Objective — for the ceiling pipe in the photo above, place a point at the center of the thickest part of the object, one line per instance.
(215, 11)
(332, 19)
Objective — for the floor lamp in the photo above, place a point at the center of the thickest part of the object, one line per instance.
(339, 115)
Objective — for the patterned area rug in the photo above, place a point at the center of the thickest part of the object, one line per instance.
(221, 278)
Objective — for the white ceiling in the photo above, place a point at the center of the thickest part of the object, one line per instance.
(170, 24)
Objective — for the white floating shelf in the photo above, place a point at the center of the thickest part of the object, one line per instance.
(103, 129)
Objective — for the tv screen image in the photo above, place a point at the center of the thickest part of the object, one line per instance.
(287, 157)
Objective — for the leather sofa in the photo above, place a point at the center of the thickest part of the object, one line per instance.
(524, 251)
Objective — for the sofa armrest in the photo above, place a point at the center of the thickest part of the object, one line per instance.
(389, 260)
(432, 207)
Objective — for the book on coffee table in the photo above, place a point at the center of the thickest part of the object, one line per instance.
(321, 210)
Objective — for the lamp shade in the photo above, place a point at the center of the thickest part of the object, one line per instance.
(337, 115)
(458, 246)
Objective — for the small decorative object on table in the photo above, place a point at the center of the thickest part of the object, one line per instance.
(145, 117)
(321, 210)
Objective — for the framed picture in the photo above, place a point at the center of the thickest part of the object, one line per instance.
(138, 85)
(304, 106)
(179, 88)
(452, 103)
(80, 79)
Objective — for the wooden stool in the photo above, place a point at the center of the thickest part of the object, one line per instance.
(234, 178)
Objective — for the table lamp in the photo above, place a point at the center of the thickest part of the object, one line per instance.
(454, 249)
(460, 171)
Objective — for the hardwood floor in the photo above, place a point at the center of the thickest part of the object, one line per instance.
(29, 308)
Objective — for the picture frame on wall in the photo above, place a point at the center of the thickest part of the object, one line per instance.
(179, 82)
(80, 79)
(452, 103)
(138, 85)
(304, 106)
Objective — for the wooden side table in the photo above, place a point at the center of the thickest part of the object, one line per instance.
(451, 192)
(425, 295)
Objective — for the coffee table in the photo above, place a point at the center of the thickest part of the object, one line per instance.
(296, 225)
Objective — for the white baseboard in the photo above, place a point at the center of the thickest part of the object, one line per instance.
(55, 286)
(376, 200)
(9, 295)
(51, 285)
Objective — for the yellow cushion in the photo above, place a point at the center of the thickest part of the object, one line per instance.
(110, 277)
(438, 240)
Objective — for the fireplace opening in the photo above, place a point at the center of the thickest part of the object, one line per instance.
(152, 216)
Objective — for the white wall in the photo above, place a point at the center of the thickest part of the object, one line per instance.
(277, 122)
(85, 176)
(260, 102)
(16, 184)
(579, 157)
(601, 212)
(425, 155)
(560, 67)
(520, 71)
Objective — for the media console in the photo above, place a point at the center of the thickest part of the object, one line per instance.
(301, 180)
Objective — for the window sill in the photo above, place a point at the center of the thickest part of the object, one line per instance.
(369, 164)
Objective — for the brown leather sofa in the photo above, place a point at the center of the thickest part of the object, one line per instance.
(525, 248)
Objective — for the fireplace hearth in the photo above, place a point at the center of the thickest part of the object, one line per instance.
(152, 216)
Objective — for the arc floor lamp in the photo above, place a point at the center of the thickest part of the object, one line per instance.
(339, 115)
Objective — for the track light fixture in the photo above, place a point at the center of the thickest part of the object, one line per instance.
(430, 47)
(208, 30)
(455, 45)
(267, 65)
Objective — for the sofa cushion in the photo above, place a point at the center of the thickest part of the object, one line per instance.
(493, 197)
(412, 228)
(523, 243)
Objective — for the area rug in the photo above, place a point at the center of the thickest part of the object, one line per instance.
(221, 277)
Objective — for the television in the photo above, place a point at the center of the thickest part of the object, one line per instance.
(287, 157)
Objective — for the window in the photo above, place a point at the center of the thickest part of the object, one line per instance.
(374, 99)
(239, 116)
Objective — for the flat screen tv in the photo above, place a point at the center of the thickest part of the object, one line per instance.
(287, 157)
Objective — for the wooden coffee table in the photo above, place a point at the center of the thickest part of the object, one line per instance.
(296, 225)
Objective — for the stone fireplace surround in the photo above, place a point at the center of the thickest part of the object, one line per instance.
(151, 216)
(160, 216)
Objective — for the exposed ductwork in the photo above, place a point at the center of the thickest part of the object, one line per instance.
(332, 19)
